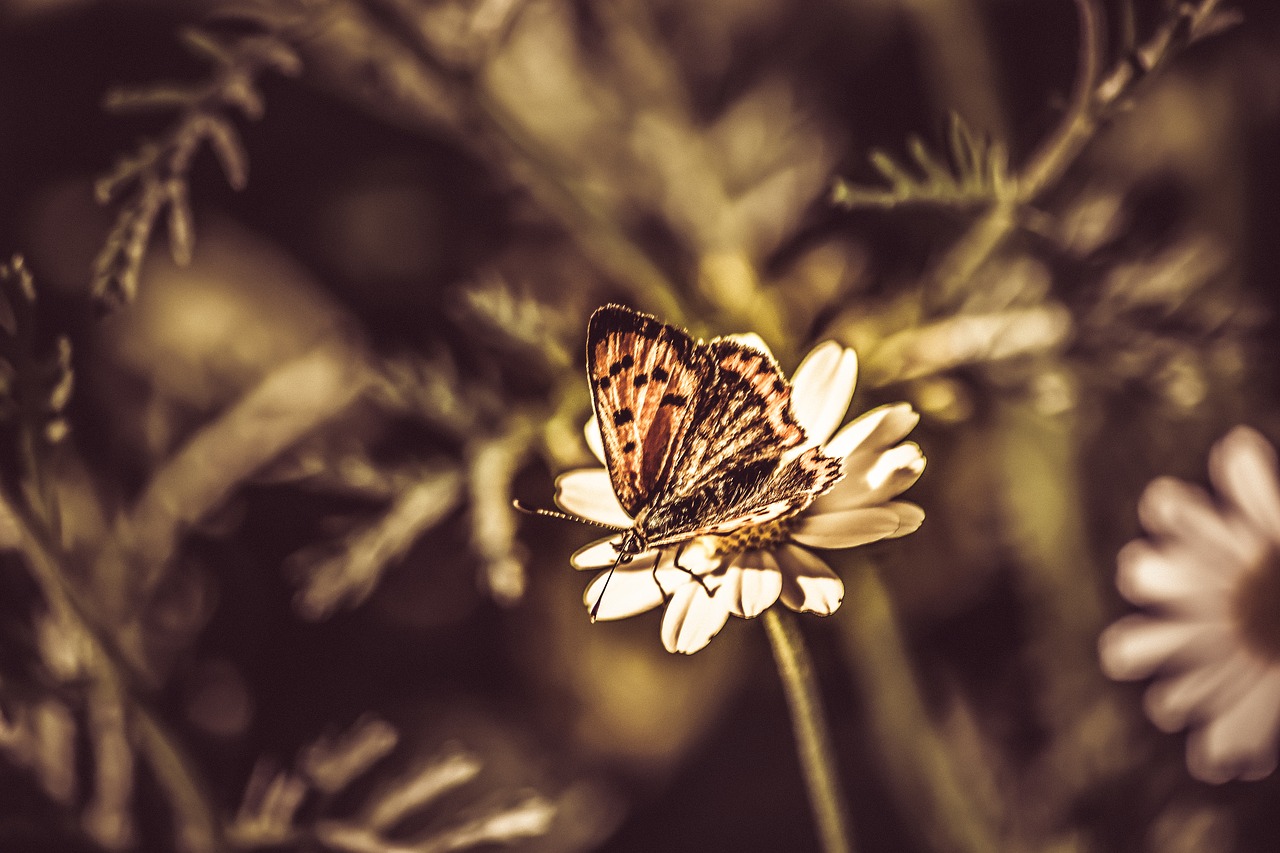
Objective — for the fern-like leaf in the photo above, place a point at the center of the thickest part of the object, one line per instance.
(157, 171)
(976, 172)
(35, 375)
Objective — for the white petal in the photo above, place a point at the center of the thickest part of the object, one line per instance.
(752, 584)
(1136, 646)
(692, 618)
(587, 492)
(1241, 742)
(630, 591)
(670, 578)
(600, 554)
(1199, 693)
(873, 478)
(876, 430)
(1174, 577)
(1183, 512)
(700, 556)
(808, 584)
(851, 527)
(1242, 466)
(910, 517)
(822, 388)
(591, 432)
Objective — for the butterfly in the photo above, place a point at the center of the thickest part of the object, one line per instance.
(699, 438)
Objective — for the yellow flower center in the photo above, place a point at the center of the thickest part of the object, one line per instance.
(1257, 607)
(756, 537)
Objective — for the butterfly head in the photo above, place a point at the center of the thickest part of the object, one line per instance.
(633, 542)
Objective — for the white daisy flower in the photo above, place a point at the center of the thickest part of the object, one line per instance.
(1210, 576)
(745, 572)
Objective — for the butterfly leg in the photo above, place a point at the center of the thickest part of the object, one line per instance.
(680, 550)
(657, 562)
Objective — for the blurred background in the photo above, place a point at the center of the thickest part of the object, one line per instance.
(301, 309)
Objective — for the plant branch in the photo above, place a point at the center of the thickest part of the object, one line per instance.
(398, 76)
(288, 404)
(195, 815)
(1094, 100)
(1080, 121)
(157, 171)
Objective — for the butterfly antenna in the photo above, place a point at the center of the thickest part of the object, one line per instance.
(595, 608)
(551, 513)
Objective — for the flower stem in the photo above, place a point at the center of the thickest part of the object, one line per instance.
(813, 741)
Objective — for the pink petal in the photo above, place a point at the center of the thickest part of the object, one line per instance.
(822, 388)
(1240, 742)
(600, 554)
(1198, 693)
(591, 432)
(1136, 646)
(587, 492)
(808, 584)
(852, 527)
(692, 618)
(1180, 511)
(875, 431)
(630, 591)
(1174, 577)
(752, 584)
(1242, 466)
(872, 478)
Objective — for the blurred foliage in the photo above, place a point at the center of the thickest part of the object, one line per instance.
(158, 170)
(977, 173)
(264, 585)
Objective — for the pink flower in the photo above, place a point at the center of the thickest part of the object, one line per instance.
(1210, 575)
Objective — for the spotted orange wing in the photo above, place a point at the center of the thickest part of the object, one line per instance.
(739, 464)
(645, 378)
(760, 371)
(698, 438)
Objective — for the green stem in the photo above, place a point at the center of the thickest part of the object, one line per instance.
(595, 230)
(1095, 98)
(954, 799)
(1081, 119)
(813, 742)
(195, 815)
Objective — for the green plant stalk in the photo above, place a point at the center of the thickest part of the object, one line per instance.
(346, 47)
(922, 769)
(1095, 97)
(597, 234)
(197, 821)
(1040, 502)
(1081, 120)
(1045, 166)
(813, 741)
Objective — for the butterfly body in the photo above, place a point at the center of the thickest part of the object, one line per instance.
(699, 438)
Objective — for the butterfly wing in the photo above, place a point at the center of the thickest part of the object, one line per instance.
(743, 415)
(645, 377)
(775, 424)
(733, 469)
(788, 490)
